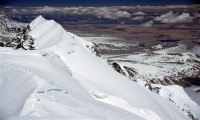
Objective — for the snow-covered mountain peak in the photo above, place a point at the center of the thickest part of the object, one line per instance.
(37, 21)
(72, 83)
(48, 33)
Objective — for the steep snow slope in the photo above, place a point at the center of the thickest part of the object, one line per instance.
(66, 81)
(57, 94)
(16, 86)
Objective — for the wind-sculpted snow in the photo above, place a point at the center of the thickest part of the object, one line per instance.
(65, 80)
(16, 86)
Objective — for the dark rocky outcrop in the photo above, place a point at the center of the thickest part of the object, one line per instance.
(95, 50)
(192, 80)
(2, 44)
(117, 68)
(21, 40)
(132, 73)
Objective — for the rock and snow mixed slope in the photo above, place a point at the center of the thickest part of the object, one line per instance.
(7, 25)
(175, 65)
(62, 79)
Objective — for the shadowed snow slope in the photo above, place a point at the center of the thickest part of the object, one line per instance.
(62, 79)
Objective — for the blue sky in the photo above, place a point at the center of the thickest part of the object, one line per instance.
(93, 2)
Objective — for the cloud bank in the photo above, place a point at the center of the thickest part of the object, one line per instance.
(171, 17)
(113, 12)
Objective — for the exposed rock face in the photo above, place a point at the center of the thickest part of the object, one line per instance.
(95, 50)
(192, 80)
(2, 44)
(131, 73)
(21, 40)
(117, 68)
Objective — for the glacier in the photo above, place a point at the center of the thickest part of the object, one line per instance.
(62, 79)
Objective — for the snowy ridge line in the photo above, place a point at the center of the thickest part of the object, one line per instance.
(40, 104)
(94, 74)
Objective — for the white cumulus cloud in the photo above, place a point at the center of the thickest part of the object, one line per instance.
(14, 10)
(148, 24)
(171, 17)
(139, 13)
